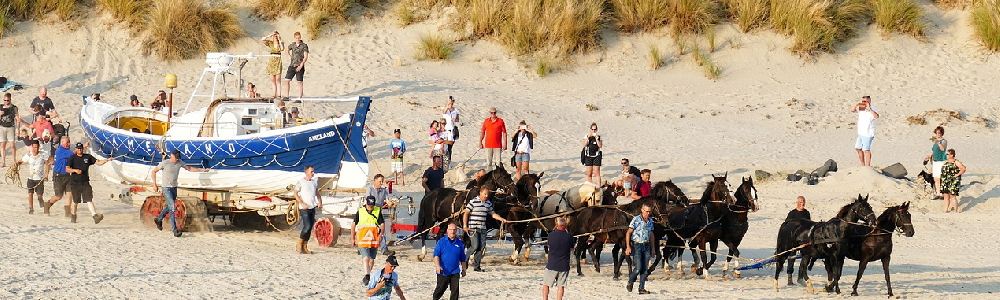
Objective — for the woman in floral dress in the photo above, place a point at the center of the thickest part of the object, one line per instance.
(951, 181)
(273, 43)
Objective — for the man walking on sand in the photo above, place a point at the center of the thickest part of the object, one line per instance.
(557, 269)
(171, 170)
(299, 52)
(307, 196)
(640, 236)
(60, 178)
(450, 263)
(10, 122)
(474, 218)
(36, 174)
(366, 233)
(866, 129)
(493, 137)
(381, 284)
(78, 168)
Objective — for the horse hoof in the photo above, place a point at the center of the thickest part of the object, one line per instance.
(856, 293)
(579, 274)
(725, 276)
(420, 257)
(699, 272)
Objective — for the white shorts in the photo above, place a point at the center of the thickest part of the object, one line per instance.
(936, 168)
(396, 167)
(7, 134)
(554, 278)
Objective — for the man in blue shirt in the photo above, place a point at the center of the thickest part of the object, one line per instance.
(449, 261)
(640, 233)
(60, 179)
(384, 281)
(557, 269)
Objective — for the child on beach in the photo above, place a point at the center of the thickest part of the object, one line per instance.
(398, 147)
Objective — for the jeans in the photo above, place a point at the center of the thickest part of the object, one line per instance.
(640, 254)
(447, 282)
(478, 246)
(308, 220)
(169, 196)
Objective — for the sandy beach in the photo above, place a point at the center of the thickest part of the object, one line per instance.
(770, 110)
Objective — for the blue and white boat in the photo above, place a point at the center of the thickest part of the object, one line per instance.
(245, 142)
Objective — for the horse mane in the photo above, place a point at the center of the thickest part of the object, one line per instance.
(671, 189)
(706, 196)
(883, 219)
(842, 213)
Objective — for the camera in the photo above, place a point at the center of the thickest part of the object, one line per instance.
(522, 127)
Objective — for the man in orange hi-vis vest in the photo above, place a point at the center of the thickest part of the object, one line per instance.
(366, 232)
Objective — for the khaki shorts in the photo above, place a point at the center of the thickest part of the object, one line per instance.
(7, 134)
(554, 278)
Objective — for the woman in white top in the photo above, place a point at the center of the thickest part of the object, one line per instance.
(450, 115)
(523, 141)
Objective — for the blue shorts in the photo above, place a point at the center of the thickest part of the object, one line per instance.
(368, 252)
(864, 143)
(522, 157)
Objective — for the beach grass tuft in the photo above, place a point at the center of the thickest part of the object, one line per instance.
(693, 16)
(543, 67)
(527, 26)
(272, 9)
(953, 4)
(484, 16)
(6, 22)
(817, 25)
(986, 23)
(18, 10)
(434, 47)
(321, 12)
(130, 12)
(182, 29)
(682, 44)
(405, 13)
(710, 35)
(748, 15)
(655, 57)
(899, 16)
(641, 15)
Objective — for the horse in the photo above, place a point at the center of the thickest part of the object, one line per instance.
(820, 240)
(865, 245)
(606, 225)
(736, 224)
(525, 200)
(445, 205)
(581, 195)
(715, 200)
(664, 197)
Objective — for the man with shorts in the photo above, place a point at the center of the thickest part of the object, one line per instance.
(493, 138)
(36, 175)
(60, 178)
(398, 147)
(366, 233)
(866, 129)
(78, 168)
(299, 52)
(10, 120)
(557, 269)
(171, 170)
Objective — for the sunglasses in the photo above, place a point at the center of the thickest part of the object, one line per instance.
(493, 112)
(624, 163)
(594, 129)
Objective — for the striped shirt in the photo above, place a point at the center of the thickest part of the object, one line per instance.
(478, 212)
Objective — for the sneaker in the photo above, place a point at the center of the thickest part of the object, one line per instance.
(159, 224)
(98, 218)
(72, 218)
(629, 287)
(643, 292)
(177, 233)
(478, 269)
(365, 280)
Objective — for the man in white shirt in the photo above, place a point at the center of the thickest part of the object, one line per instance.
(36, 174)
(307, 196)
(866, 129)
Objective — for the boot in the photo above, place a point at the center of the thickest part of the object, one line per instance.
(98, 218)
(46, 207)
(41, 203)
(298, 246)
(66, 208)
(72, 218)
(305, 247)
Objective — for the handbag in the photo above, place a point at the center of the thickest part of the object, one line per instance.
(455, 131)
(512, 160)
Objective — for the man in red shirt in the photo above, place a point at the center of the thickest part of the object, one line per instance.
(493, 137)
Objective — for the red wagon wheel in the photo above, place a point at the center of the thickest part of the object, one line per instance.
(152, 207)
(180, 214)
(323, 231)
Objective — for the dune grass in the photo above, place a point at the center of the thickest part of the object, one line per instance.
(321, 12)
(129, 12)
(18, 10)
(6, 22)
(272, 9)
(953, 4)
(655, 57)
(748, 15)
(543, 68)
(182, 29)
(575, 24)
(412, 11)
(899, 16)
(817, 25)
(693, 16)
(562, 27)
(484, 16)
(986, 23)
(434, 47)
(641, 15)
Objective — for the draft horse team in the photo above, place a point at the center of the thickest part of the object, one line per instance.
(721, 214)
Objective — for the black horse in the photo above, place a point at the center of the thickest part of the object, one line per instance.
(700, 223)
(826, 240)
(521, 207)
(445, 205)
(735, 224)
(605, 225)
(865, 245)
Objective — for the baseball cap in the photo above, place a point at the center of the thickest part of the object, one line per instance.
(391, 259)
(79, 145)
(370, 200)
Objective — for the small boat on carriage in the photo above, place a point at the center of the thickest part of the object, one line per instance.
(254, 155)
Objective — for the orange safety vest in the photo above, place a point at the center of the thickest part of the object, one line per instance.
(368, 231)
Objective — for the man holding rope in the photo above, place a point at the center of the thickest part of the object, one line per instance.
(474, 218)
(60, 178)
(640, 236)
(36, 175)
(560, 245)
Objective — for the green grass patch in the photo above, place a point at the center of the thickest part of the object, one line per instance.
(899, 16)
(182, 29)
(986, 23)
(748, 15)
(434, 47)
